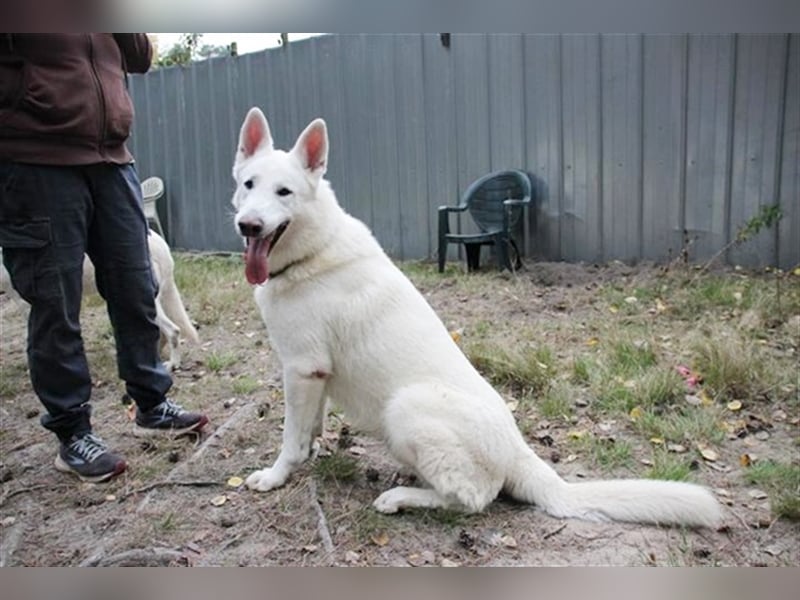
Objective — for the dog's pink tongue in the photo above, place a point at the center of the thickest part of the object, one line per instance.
(255, 258)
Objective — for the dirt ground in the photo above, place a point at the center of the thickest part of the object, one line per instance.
(174, 505)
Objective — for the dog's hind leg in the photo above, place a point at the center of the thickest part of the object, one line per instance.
(170, 333)
(425, 430)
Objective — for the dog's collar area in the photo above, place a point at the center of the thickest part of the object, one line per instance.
(286, 267)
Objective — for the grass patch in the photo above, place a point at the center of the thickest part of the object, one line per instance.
(669, 466)
(605, 453)
(690, 425)
(731, 368)
(524, 370)
(556, 403)
(630, 358)
(659, 387)
(217, 361)
(337, 467)
(782, 483)
(582, 369)
(245, 385)
(211, 284)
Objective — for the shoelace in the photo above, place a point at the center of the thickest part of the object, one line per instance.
(168, 408)
(89, 447)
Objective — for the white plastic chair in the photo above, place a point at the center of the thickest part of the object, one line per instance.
(152, 190)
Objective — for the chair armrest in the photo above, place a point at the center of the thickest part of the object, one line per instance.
(449, 209)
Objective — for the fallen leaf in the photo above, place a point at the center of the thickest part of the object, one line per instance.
(508, 541)
(512, 405)
(352, 557)
(446, 562)
(357, 450)
(577, 434)
(310, 548)
(745, 460)
(657, 441)
(660, 306)
(707, 453)
(235, 482)
(705, 399)
(380, 539)
(636, 413)
(456, 335)
(613, 310)
(757, 494)
(592, 341)
(734, 405)
(631, 300)
(110, 497)
(676, 448)
(571, 458)
(219, 500)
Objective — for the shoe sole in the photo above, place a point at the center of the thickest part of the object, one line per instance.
(65, 468)
(143, 432)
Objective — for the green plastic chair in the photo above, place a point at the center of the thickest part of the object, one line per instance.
(496, 203)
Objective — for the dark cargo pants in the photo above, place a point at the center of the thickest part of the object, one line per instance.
(50, 216)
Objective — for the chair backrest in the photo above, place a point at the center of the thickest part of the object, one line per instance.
(485, 197)
(152, 189)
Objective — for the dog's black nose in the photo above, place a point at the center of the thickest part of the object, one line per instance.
(251, 228)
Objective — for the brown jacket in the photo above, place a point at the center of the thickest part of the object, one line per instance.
(63, 97)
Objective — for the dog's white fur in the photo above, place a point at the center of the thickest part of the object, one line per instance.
(171, 316)
(348, 326)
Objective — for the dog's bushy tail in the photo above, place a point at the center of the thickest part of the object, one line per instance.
(635, 500)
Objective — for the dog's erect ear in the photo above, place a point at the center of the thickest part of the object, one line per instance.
(254, 135)
(311, 148)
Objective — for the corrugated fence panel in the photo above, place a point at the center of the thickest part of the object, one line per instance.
(621, 99)
(381, 79)
(708, 142)
(441, 149)
(630, 139)
(357, 100)
(758, 112)
(582, 217)
(664, 123)
(543, 137)
(472, 113)
(415, 213)
(789, 196)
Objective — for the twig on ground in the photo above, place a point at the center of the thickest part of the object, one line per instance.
(140, 557)
(45, 486)
(158, 484)
(557, 530)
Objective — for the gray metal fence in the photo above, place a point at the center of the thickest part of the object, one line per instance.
(632, 139)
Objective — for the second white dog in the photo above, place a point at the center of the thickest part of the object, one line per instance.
(170, 312)
(350, 327)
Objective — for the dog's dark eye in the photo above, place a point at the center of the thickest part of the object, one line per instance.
(283, 191)
(249, 184)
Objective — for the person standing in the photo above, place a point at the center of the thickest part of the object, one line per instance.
(68, 186)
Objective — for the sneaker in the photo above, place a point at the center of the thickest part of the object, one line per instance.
(168, 418)
(88, 457)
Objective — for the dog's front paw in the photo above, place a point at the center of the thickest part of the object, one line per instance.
(388, 502)
(264, 480)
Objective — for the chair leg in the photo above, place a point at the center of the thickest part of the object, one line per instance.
(473, 256)
(442, 254)
(503, 261)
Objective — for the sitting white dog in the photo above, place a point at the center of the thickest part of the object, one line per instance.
(350, 327)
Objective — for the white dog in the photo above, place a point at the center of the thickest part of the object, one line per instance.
(350, 327)
(170, 312)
